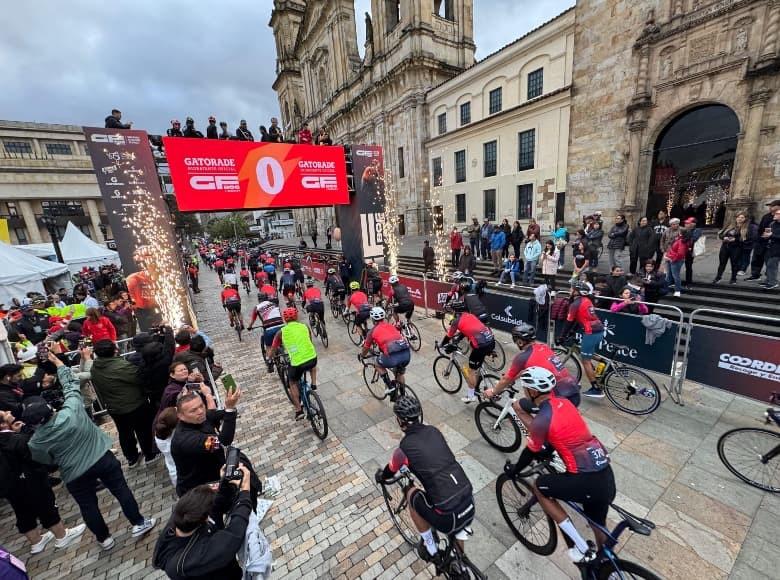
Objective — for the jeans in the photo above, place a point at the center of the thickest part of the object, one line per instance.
(744, 259)
(455, 258)
(530, 271)
(771, 270)
(109, 472)
(512, 275)
(615, 257)
(496, 254)
(474, 243)
(759, 251)
(561, 251)
(673, 275)
(136, 425)
(485, 249)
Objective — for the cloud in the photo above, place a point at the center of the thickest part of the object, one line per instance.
(71, 62)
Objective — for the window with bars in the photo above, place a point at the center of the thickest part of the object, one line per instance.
(494, 100)
(526, 149)
(460, 166)
(18, 147)
(535, 83)
(460, 207)
(489, 204)
(525, 201)
(59, 208)
(442, 119)
(58, 149)
(401, 168)
(490, 153)
(437, 175)
(465, 113)
(21, 235)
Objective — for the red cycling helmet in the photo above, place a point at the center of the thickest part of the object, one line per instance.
(290, 314)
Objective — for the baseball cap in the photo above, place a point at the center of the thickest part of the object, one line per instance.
(690, 220)
(674, 221)
(775, 202)
(36, 411)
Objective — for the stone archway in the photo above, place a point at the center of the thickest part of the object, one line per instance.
(693, 164)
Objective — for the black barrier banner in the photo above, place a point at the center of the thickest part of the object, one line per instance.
(745, 364)
(507, 311)
(625, 342)
(141, 222)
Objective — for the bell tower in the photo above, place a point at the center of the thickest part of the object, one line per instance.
(285, 21)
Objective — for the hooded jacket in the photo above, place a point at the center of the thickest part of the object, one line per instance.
(118, 384)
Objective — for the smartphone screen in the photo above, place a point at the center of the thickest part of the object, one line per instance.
(229, 383)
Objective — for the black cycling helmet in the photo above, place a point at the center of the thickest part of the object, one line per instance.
(407, 409)
(524, 332)
(582, 287)
(458, 306)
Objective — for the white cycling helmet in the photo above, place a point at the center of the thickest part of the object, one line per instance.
(377, 313)
(393, 279)
(538, 379)
(457, 275)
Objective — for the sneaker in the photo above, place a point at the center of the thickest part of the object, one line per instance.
(299, 415)
(512, 286)
(42, 543)
(72, 535)
(143, 528)
(154, 459)
(750, 278)
(716, 280)
(468, 399)
(741, 273)
(422, 552)
(137, 463)
(313, 387)
(594, 392)
(498, 283)
(108, 543)
(770, 286)
(732, 281)
(578, 557)
(676, 294)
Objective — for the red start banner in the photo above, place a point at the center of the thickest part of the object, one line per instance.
(210, 175)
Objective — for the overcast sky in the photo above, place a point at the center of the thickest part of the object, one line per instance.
(71, 62)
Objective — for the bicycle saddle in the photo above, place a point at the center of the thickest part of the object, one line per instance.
(635, 523)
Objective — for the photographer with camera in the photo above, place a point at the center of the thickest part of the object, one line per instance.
(199, 441)
(198, 541)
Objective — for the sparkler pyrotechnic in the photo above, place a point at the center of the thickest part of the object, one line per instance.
(441, 248)
(390, 222)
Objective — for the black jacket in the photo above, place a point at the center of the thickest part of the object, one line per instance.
(773, 247)
(244, 135)
(156, 357)
(643, 241)
(467, 263)
(211, 132)
(274, 134)
(208, 553)
(11, 398)
(654, 285)
(191, 131)
(199, 450)
(617, 236)
(765, 222)
(615, 285)
(33, 327)
(121, 322)
(114, 123)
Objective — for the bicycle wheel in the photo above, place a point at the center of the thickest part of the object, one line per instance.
(525, 516)
(623, 570)
(504, 435)
(263, 350)
(354, 333)
(446, 320)
(335, 310)
(570, 362)
(631, 390)
(239, 327)
(447, 374)
(489, 382)
(408, 391)
(317, 417)
(323, 334)
(752, 454)
(374, 382)
(282, 372)
(412, 334)
(496, 360)
(395, 500)
(464, 569)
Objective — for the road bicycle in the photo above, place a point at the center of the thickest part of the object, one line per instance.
(627, 388)
(311, 403)
(496, 360)
(356, 332)
(407, 328)
(753, 453)
(381, 390)
(448, 371)
(236, 322)
(247, 286)
(318, 328)
(453, 563)
(498, 423)
(336, 304)
(538, 532)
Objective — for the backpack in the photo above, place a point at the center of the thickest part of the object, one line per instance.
(560, 308)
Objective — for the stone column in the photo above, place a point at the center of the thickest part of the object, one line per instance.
(769, 45)
(632, 171)
(25, 208)
(94, 218)
(747, 151)
(642, 76)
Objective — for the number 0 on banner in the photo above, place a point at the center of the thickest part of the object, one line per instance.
(270, 175)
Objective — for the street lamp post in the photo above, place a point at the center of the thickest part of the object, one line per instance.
(51, 224)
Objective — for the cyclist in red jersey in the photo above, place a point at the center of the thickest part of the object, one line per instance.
(231, 301)
(358, 300)
(394, 351)
(312, 300)
(270, 292)
(583, 313)
(588, 479)
(260, 278)
(537, 354)
(243, 274)
(480, 338)
(219, 267)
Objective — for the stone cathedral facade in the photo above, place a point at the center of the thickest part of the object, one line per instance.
(411, 46)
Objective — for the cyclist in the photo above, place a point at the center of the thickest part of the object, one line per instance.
(298, 274)
(261, 278)
(455, 291)
(537, 354)
(359, 301)
(312, 300)
(287, 283)
(373, 282)
(447, 503)
(270, 293)
(583, 313)
(334, 287)
(219, 267)
(394, 351)
(270, 269)
(244, 276)
(588, 479)
(270, 319)
(297, 341)
(230, 277)
(480, 338)
(402, 302)
(231, 302)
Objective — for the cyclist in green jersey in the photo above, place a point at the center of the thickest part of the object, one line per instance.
(297, 341)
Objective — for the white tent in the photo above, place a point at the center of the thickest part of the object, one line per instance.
(77, 250)
(21, 273)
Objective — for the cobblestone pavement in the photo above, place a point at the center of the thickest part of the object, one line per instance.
(329, 520)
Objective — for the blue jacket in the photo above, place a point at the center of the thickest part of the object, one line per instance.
(497, 240)
(512, 266)
(533, 250)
